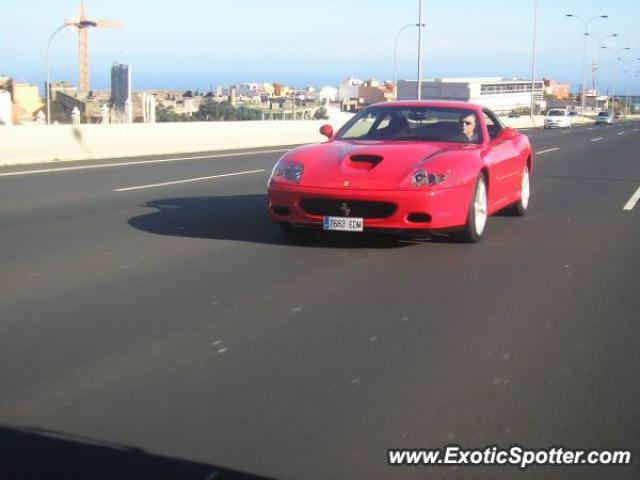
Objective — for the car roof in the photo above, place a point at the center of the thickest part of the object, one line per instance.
(431, 103)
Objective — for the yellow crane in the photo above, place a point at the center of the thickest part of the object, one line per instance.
(82, 23)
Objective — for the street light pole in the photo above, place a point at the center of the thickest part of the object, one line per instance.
(584, 53)
(626, 95)
(601, 46)
(632, 107)
(395, 58)
(419, 49)
(48, 79)
(613, 95)
(627, 102)
(583, 97)
(533, 58)
(81, 24)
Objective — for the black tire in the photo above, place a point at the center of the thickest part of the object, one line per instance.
(520, 207)
(470, 234)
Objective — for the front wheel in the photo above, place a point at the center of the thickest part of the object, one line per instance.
(477, 216)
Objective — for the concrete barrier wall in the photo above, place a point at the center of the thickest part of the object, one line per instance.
(41, 143)
(525, 121)
(538, 121)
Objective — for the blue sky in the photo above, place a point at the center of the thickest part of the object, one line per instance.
(198, 43)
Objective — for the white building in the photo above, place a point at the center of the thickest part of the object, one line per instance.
(6, 108)
(328, 94)
(249, 90)
(498, 94)
(349, 89)
(148, 108)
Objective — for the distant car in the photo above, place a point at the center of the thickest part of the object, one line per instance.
(618, 115)
(405, 166)
(573, 113)
(557, 118)
(604, 118)
(514, 115)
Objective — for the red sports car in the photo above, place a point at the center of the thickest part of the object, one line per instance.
(409, 166)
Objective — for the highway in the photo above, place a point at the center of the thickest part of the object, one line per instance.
(155, 324)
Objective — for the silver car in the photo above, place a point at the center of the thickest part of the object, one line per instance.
(604, 118)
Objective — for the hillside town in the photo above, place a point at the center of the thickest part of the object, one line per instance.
(24, 103)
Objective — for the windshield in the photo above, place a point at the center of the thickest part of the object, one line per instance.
(556, 113)
(603, 114)
(453, 125)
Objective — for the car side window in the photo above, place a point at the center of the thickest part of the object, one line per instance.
(384, 122)
(494, 127)
(362, 127)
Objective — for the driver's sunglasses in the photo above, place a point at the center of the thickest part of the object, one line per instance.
(466, 122)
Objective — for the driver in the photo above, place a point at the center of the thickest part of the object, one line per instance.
(468, 126)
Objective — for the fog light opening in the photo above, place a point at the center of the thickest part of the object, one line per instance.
(282, 211)
(419, 217)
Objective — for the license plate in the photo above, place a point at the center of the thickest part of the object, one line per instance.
(343, 224)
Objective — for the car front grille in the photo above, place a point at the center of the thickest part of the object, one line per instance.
(356, 208)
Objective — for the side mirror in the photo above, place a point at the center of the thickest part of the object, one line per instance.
(327, 131)
(509, 134)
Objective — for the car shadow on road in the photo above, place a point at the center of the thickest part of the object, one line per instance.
(245, 218)
(30, 453)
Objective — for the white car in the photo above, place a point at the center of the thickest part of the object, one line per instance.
(557, 118)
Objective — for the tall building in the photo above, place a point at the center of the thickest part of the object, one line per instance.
(120, 86)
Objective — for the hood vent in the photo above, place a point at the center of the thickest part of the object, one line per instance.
(366, 161)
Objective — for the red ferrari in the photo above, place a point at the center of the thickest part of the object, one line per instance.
(405, 166)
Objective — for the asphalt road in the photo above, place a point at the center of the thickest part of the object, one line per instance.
(171, 331)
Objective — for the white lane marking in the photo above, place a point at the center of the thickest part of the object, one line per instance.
(142, 162)
(621, 133)
(597, 139)
(548, 150)
(188, 180)
(635, 129)
(591, 128)
(632, 201)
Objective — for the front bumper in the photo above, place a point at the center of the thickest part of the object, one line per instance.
(428, 209)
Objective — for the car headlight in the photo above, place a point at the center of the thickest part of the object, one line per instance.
(287, 170)
(421, 178)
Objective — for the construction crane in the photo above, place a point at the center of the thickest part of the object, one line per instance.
(82, 23)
